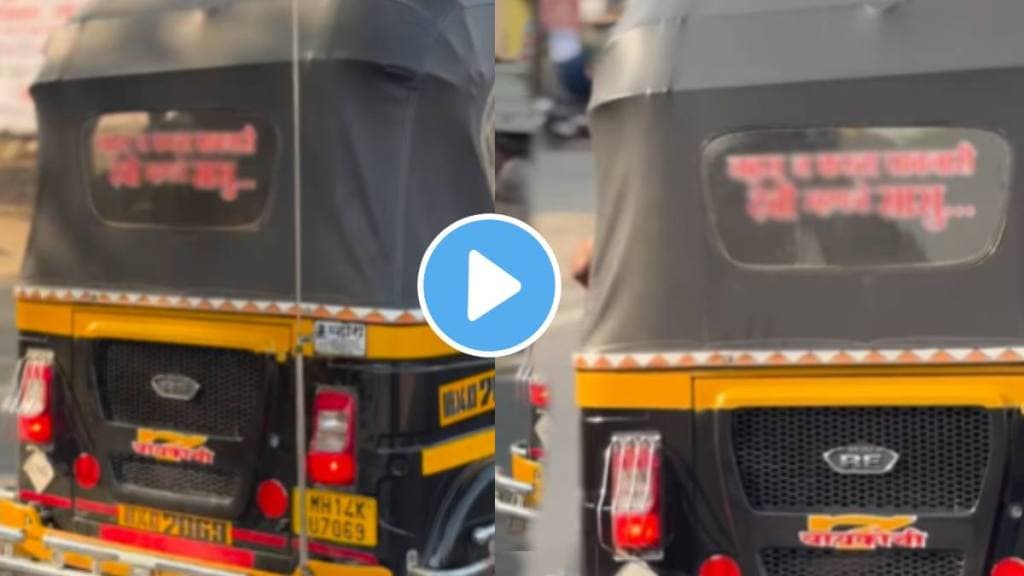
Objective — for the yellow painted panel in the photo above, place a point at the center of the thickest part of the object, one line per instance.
(458, 452)
(44, 318)
(879, 389)
(656, 390)
(405, 342)
(529, 472)
(264, 334)
(263, 338)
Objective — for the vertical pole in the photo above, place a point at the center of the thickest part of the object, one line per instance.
(298, 356)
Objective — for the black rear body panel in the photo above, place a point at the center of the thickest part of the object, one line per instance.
(398, 417)
(709, 508)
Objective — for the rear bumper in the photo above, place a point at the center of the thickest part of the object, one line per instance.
(517, 497)
(28, 546)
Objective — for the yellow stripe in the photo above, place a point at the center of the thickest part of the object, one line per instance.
(263, 334)
(984, 390)
(634, 390)
(983, 386)
(458, 452)
(412, 342)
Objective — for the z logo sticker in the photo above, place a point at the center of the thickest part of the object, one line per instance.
(860, 532)
(172, 447)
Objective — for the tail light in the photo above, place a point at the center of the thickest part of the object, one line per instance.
(720, 566)
(636, 514)
(540, 394)
(332, 454)
(36, 399)
(1009, 567)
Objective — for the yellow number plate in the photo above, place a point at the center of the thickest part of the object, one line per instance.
(342, 518)
(174, 524)
(466, 398)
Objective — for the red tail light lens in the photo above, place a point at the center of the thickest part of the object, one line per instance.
(87, 471)
(540, 394)
(36, 402)
(1009, 567)
(332, 454)
(636, 494)
(720, 566)
(272, 499)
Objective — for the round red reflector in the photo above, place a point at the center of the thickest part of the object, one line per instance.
(87, 471)
(272, 498)
(720, 566)
(1009, 567)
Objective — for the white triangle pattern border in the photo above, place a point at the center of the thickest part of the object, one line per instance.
(218, 304)
(798, 357)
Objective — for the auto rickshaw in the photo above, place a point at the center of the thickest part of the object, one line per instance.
(803, 354)
(220, 375)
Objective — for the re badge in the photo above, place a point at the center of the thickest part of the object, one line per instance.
(466, 398)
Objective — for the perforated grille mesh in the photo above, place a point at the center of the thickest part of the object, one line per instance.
(944, 455)
(182, 479)
(233, 384)
(797, 562)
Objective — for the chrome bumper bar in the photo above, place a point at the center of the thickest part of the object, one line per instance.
(482, 536)
(510, 495)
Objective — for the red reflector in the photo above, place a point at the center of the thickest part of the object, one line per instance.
(87, 471)
(272, 499)
(332, 450)
(35, 403)
(540, 394)
(720, 566)
(1009, 567)
(536, 453)
(636, 493)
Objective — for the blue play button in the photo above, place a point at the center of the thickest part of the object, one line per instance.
(489, 285)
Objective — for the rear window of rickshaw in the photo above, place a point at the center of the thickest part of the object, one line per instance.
(205, 169)
(857, 197)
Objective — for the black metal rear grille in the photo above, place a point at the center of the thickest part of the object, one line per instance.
(233, 384)
(797, 562)
(188, 480)
(944, 456)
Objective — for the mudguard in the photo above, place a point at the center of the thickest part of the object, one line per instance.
(466, 506)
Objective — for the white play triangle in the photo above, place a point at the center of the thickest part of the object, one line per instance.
(489, 286)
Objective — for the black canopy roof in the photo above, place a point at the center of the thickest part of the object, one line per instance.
(394, 97)
(678, 75)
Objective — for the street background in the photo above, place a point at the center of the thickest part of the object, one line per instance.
(562, 201)
(17, 181)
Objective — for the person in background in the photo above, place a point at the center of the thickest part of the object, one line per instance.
(572, 44)
(571, 61)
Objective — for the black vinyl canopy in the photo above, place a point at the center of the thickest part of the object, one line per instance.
(166, 146)
(781, 174)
